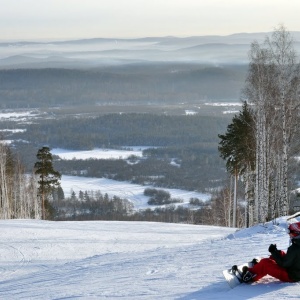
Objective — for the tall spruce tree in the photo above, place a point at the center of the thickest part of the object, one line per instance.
(48, 177)
(237, 147)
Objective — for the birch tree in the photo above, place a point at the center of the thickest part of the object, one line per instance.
(272, 88)
(16, 198)
(259, 93)
(283, 56)
(5, 173)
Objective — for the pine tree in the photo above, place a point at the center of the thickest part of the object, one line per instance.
(237, 147)
(48, 177)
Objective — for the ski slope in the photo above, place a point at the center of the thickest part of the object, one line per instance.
(133, 260)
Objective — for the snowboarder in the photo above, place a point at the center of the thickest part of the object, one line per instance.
(281, 265)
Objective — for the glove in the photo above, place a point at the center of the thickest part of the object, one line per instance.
(272, 248)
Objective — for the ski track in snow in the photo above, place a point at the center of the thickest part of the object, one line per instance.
(132, 260)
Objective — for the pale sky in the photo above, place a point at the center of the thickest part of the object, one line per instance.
(69, 19)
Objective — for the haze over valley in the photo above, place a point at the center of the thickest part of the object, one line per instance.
(135, 74)
(93, 93)
(90, 53)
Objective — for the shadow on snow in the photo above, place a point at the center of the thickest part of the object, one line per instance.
(221, 290)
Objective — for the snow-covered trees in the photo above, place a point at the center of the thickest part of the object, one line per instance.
(18, 197)
(48, 177)
(272, 92)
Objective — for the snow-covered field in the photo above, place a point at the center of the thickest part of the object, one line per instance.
(133, 260)
(122, 189)
(18, 116)
(132, 192)
(98, 153)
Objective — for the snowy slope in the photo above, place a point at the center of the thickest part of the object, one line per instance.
(132, 260)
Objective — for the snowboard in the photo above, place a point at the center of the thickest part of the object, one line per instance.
(234, 278)
(297, 214)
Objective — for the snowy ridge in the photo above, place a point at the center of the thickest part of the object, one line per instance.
(133, 260)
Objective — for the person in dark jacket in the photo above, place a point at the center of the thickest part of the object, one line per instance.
(281, 265)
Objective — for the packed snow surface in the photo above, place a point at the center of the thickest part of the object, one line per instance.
(133, 260)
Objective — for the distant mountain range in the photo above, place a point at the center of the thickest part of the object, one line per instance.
(89, 53)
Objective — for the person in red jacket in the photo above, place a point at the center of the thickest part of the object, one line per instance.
(281, 265)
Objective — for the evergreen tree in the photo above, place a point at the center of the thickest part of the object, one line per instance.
(48, 177)
(237, 147)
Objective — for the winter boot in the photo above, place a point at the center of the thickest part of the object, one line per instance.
(247, 276)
